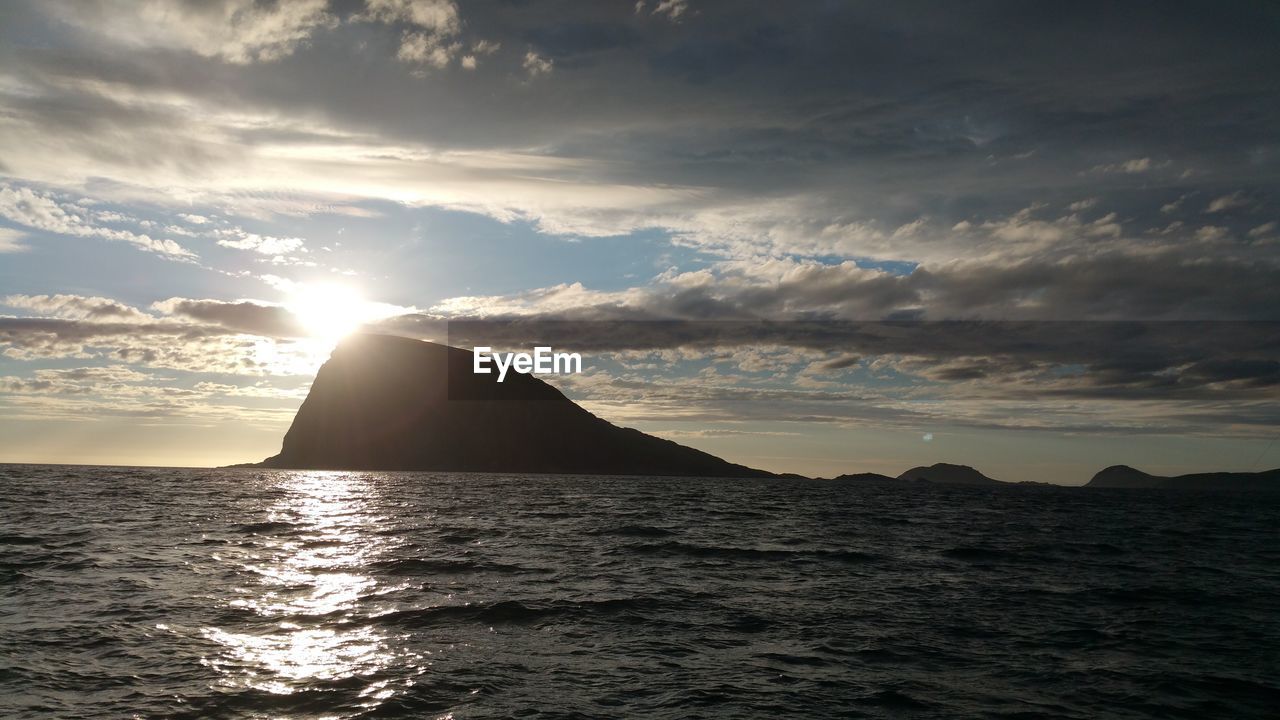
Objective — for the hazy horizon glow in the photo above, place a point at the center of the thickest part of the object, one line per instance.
(198, 200)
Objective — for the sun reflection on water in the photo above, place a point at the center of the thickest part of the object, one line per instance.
(308, 580)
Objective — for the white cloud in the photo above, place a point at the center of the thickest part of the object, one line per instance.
(1173, 206)
(1227, 202)
(423, 48)
(673, 9)
(1211, 233)
(10, 241)
(43, 211)
(435, 25)
(77, 307)
(437, 16)
(1129, 167)
(265, 244)
(1263, 230)
(236, 31)
(537, 65)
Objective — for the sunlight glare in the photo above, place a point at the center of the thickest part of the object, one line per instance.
(331, 312)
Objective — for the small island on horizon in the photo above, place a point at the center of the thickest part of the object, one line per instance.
(386, 402)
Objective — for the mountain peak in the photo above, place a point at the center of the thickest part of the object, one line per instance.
(383, 402)
(948, 474)
(1123, 476)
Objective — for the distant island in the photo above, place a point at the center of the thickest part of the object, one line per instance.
(938, 474)
(948, 474)
(1123, 476)
(383, 402)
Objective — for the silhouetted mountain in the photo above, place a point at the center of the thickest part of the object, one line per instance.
(391, 403)
(1123, 476)
(864, 477)
(948, 474)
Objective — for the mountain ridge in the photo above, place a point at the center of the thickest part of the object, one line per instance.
(383, 402)
(948, 474)
(1124, 476)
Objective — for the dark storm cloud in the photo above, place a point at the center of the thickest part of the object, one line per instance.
(1121, 360)
(808, 82)
(244, 316)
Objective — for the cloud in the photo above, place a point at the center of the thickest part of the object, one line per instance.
(1176, 377)
(435, 24)
(1173, 206)
(244, 316)
(880, 155)
(239, 239)
(11, 241)
(428, 49)
(234, 31)
(723, 432)
(537, 65)
(1129, 167)
(197, 335)
(672, 9)
(1119, 284)
(44, 211)
(174, 343)
(1227, 202)
(437, 16)
(1264, 230)
(77, 307)
(1074, 377)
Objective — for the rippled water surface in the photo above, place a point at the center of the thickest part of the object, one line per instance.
(263, 594)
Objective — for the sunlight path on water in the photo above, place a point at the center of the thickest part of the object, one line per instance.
(309, 584)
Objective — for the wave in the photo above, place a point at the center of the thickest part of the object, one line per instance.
(267, 526)
(448, 566)
(675, 548)
(514, 612)
(646, 531)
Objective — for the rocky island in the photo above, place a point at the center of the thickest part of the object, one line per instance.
(948, 474)
(383, 402)
(1123, 476)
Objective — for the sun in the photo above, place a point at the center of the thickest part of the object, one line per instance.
(330, 312)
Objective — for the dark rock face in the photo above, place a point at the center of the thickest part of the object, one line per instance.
(390, 403)
(948, 474)
(1123, 476)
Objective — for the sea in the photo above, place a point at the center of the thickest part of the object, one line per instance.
(243, 593)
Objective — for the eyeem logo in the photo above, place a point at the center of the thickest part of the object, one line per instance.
(542, 361)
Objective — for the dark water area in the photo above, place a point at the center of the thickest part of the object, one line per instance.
(265, 594)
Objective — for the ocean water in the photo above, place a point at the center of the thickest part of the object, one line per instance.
(280, 594)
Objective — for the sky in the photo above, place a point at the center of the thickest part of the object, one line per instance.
(1039, 239)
